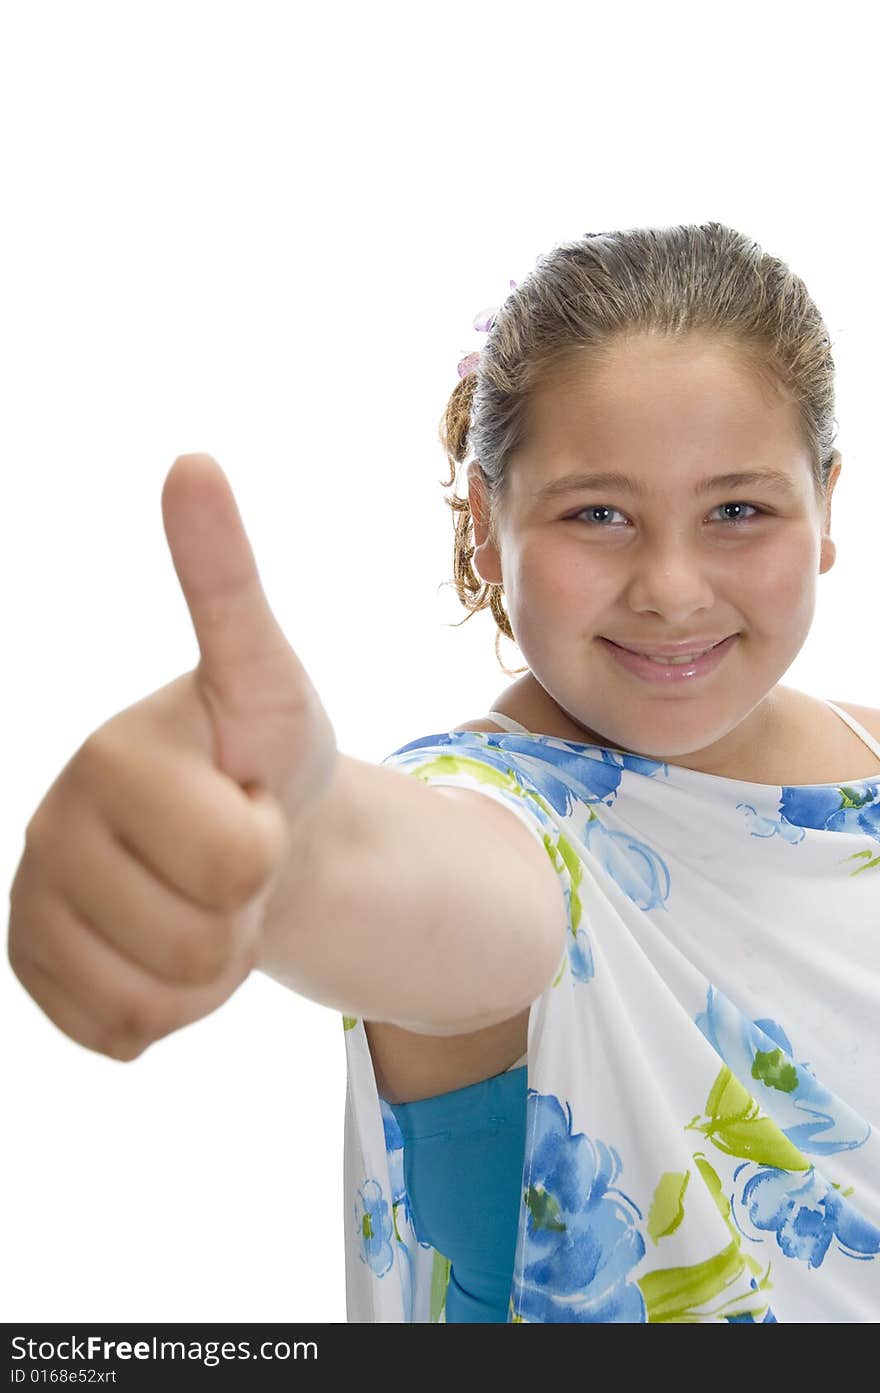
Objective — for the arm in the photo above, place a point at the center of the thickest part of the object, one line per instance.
(430, 908)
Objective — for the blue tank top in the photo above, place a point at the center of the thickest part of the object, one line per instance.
(462, 1167)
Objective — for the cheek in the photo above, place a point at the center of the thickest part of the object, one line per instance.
(780, 582)
(558, 586)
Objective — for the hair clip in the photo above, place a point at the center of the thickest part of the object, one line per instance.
(482, 323)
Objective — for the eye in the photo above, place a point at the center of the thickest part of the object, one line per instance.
(593, 508)
(755, 511)
(604, 508)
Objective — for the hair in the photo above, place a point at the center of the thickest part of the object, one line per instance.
(585, 296)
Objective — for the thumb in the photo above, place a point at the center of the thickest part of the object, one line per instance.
(259, 695)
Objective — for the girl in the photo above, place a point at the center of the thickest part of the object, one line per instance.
(678, 1127)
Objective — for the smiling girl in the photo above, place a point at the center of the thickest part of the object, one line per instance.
(607, 957)
(677, 1127)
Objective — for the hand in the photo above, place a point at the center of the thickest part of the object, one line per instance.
(137, 904)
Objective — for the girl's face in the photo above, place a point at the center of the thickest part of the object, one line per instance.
(659, 553)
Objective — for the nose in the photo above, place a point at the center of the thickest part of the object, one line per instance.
(670, 578)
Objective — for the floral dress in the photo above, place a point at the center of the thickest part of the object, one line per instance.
(702, 1068)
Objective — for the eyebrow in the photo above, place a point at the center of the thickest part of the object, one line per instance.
(621, 483)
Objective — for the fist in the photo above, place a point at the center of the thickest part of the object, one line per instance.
(138, 903)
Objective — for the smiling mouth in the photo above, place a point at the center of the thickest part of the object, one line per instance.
(680, 649)
(678, 671)
(674, 658)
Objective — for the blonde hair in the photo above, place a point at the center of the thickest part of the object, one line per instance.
(581, 297)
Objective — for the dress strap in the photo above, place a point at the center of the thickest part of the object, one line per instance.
(873, 744)
(508, 723)
(871, 741)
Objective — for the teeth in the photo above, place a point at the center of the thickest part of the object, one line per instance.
(675, 662)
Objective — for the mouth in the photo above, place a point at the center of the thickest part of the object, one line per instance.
(676, 653)
(668, 668)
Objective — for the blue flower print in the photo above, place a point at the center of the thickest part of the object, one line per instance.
(747, 1318)
(760, 1054)
(535, 773)
(834, 809)
(399, 1202)
(639, 870)
(760, 826)
(554, 770)
(580, 1241)
(580, 956)
(557, 772)
(374, 1225)
(807, 1214)
(394, 1152)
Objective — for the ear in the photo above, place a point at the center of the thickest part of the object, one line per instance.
(828, 550)
(486, 559)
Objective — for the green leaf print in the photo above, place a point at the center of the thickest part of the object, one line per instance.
(544, 1209)
(439, 1283)
(871, 862)
(683, 1294)
(349, 1022)
(564, 857)
(734, 1124)
(444, 765)
(845, 1194)
(712, 1181)
(855, 797)
(667, 1206)
(776, 1072)
(575, 868)
(675, 1293)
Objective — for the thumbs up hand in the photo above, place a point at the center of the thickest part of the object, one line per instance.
(138, 902)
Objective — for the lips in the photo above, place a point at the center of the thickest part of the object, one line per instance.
(679, 673)
(684, 648)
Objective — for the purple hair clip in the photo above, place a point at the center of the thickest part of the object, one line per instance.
(482, 323)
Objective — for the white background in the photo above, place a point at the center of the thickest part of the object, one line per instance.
(263, 230)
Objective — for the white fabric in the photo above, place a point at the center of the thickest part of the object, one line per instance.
(507, 722)
(702, 1071)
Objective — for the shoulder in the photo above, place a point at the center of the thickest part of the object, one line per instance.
(483, 724)
(868, 716)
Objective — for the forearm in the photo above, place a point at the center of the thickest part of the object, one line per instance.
(400, 905)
